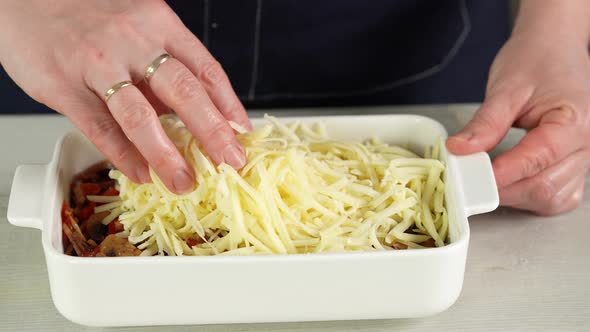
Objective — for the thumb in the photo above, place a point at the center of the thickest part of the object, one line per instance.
(487, 127)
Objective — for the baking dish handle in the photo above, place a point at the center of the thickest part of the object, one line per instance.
(480, 192)
(26, 196)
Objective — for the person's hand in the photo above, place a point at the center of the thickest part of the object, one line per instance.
(542, 86)
(68, 53)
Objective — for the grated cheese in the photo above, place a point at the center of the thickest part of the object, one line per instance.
(299, 192)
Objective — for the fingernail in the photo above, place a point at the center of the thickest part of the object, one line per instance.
(234, 156)
(464, 135)
(183, 181)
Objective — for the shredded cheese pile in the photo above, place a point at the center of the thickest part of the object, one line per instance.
(300, 192)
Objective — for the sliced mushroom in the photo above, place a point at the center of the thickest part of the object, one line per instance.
(94, 229)
(115, 246)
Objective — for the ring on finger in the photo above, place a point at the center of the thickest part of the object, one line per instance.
(110, 92)
(151, 69)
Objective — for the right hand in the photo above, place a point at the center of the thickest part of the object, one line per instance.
(66, 54)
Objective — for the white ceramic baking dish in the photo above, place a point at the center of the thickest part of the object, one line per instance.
(124, 291)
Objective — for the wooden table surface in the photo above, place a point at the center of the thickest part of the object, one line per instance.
(524, 273)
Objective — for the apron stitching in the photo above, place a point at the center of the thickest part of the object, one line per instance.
(397, 83)
(206, 23)
(256, 51)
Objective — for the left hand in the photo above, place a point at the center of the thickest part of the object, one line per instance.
(543, 86)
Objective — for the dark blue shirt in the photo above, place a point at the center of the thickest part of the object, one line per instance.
(345, 52)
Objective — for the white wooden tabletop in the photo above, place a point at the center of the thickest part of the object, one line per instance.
(524, 273)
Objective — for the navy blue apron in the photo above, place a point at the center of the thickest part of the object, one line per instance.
(284, 53)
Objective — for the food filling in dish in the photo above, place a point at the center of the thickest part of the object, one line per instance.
(300, 192)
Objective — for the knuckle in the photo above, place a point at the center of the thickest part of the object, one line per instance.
(568, 114)
(550, 149)
(187, 38)
(100, 129)
(125, 26)
(564, 114)
(535, 163)
(185, 85)
(122, 21)
(55, 99)
(544, 191)
(90, 46)
(486, 121)
(578, 197)
(135, 115)
(164, 158)
(101, 132)
(235, 110)
(90, 53)
(216, 130)
(554, 206)
(121, 152)
(161, 11)
(212, 73)
(560, 201)
(216, 136)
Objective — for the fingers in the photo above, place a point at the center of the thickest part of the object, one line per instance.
(556, 189)
(91, 115)
(140, 123)
(177, 87)
(487, 128)
(539, 149)
(199, 61)
(567, 199)
(574, 201)
(156, 103)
